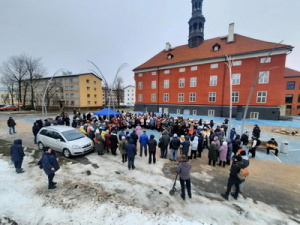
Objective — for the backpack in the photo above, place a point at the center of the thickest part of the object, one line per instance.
(243, 174)
(258, 142)
(40, 164)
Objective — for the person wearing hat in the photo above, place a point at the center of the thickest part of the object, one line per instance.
(50, 166)
(11, 125)
(114, 142)
(272, 145)
(183, 170)
(152, 143)
(233, 178)
(143, 143)
(256, 131)
(174, 146)
(17, 154)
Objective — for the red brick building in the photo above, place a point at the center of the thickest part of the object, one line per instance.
(292, 91)
(194, 78)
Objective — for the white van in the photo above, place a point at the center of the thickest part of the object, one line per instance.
(67, 140)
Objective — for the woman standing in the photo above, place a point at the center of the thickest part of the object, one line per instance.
(122, 144)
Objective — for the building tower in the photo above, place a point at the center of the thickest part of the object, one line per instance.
(196, 24)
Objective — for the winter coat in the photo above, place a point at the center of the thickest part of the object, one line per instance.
(229, 151)
(152, 143)
(138, 130)
(35, 129)
(232, 134)
(183, 170)
(130, 148)
(223, 152)
(134, 137)
(165, 139)
(185, 145)
(122, 145)
(236, 145)
(143, 139)
(234, 170)
(245, 139)
(11, 122)
(256, 131)
(107, 140)
(175, 143)
(114, 141)
(194, 144)
(16, 151)
(49, 161)
(99, 145)
(212, 154)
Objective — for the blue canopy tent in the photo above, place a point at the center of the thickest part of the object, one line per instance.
(107, 112)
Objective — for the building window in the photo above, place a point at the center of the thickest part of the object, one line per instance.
(211, 112)
(153, 97)
(236, 78)
(299, 98)
(166, 97)
(193, 68)
(95, 82)
(71, 87)
(254, 115)
(166, 83)
(88, 88)
(235, 97)
(72, 103)
(261, 97)
(95, 89)
(166, 71)
(88, 95)
(214, 66)
(181, 82)
(153, 73)
(180, 97)
(265, 60)
(140, 97)
(192, 97)
(213, 80)
(95, 102)
(153, 84)
(140, 74)
(66, 88)
(298, 106)
(194, 112)
(178, 111)
(290, 85)
(71, 95)
(263, 77)
(193, 82)
(95, 96)
(181, 70)
(88, 102)
(140, 85)
(87, 81)
(237, 63)
(288, 98)
(212, 96)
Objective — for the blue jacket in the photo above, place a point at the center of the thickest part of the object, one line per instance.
(130, 148)
(16, 151)
(144, 139)
(49, 161)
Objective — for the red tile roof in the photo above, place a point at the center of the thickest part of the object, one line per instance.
(291, 73)
(183, 53)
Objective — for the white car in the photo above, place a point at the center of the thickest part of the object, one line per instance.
(67, 140)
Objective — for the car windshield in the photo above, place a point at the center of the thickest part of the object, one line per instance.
(72, 135)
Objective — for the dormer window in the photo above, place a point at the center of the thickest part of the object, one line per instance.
(169, 56)
(216, 47)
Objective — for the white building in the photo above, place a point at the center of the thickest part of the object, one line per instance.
(129, 95)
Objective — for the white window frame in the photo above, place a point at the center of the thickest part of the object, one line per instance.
(236, 79)
(211, 112)
(213, 80)
(180, 97)
(153, 73)
(192, 97)
(265, 60)
(194, 68)
(254, 115)
(235, 97)
(193, 82)
(140, 85)
(140, 74)
(166, 97)
(214, 65)
(166, 110)
(261, 97)
(178, 111)
(237, 63)
(181, 70)
(166, 83)
(212, 97)
(140, 97)
(194, 112)
(166, 71)
(181, 82)
(264, 77)
(153, 97)
(153, 84)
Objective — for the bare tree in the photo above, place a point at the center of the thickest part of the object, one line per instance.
(10, 84)
(15, 68)
(119, 90)
(54, 93)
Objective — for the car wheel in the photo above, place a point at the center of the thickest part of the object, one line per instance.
(66, 153)
(41, 146)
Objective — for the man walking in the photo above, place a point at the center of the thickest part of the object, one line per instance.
(11, 125)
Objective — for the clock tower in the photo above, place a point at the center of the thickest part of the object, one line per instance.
(196, 24)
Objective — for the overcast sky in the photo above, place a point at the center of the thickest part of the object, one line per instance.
(67, 33)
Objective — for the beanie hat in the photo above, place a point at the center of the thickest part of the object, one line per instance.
(175, 135)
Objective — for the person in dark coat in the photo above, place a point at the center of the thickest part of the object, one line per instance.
(212, 154)
(174, 146)
(134, 137)
(11, 125)
(35, 129)
(152, 143)
(233, 178)
(122, 144)
(256, 131)
(130, 149)
(114, 142)
(164, 139)
(50, 166)
(183, 170)
(186, 146)
(17, 154)
(99, 143)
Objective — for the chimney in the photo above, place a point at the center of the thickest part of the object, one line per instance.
(230, 37)
(168, 46)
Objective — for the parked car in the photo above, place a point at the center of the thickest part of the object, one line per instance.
(67, 140)
(9, 107)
